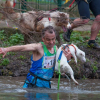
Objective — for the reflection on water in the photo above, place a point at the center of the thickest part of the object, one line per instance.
(11, 89)
(37, 96)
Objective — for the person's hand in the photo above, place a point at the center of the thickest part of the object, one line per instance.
(3, 51)
(67, 54)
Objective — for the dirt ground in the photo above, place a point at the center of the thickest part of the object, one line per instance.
(20, 67)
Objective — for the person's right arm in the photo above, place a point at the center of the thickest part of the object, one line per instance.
(28, 47)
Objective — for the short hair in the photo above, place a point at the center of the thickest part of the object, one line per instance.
(48, 29)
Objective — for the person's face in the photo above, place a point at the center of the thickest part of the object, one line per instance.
(49, 39)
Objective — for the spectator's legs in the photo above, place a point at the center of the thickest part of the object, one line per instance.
(95, 8)
(84, 12)
(95, 28)
(94, 31)
(79, 22)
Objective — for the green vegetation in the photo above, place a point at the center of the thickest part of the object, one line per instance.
(94, 67)
(77, 37)
(12, 39)
(80, 37)
(9, 40)
(21, 57)
(16, 39)
(4, 62)
(84, 78)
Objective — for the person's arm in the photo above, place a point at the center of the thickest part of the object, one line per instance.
(28, 47)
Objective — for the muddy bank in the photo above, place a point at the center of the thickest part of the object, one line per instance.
(19, 62)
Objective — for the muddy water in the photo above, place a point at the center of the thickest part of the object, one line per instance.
(11, 89)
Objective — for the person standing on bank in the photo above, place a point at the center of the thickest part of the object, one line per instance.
(42, 59)
(84, 7)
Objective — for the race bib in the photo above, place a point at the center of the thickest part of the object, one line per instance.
(49, 61)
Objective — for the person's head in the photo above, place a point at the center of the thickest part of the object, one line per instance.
(49, 36)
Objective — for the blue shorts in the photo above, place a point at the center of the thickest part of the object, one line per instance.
(34, 81)
(84, 8)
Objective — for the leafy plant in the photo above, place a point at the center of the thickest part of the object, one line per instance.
(7, 40)
(22, 57)
(4, 62)
(94, 69)
(16, 39)
(98, 40)
(11, 53)
(0, 56)
(87, 60)
(2, 35)
(76, 37)
(84, 77)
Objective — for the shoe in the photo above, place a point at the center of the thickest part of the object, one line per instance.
(66, 35)
(93, 45)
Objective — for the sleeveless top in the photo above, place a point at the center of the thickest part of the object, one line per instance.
(44, 67)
